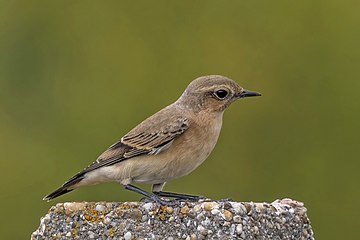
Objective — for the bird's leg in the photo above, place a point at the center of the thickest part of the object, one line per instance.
(152, 196)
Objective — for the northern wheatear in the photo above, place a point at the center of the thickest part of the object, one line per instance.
(168, 145)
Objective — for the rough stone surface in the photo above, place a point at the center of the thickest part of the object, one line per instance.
(281, 219)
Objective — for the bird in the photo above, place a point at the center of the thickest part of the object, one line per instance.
(168, 145)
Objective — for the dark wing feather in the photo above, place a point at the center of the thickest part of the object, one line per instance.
(156, 135)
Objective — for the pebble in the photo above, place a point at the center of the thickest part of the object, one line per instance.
(238, 208)
(200, 217)
(107, 220)
(226, 224)
(148, 206)
(208, 206)
(232, 229)
(100, 208)
(237, 219)
(227, 215)
(91, 235)
(184, 210)
(277, 225)
(74, 206)
(203, 231)
(248, 207)
(215, 211)
(239, 229)
(169, 210)
(206, 222)
(197, 208)
(144, 218)
(135, 214)
(45, 219)
(256, 230)
(127, 236)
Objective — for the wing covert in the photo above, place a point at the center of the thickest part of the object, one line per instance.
(154, 137)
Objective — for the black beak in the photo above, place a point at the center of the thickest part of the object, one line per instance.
(247, 93)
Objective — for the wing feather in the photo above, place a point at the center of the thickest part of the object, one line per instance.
(155, 136)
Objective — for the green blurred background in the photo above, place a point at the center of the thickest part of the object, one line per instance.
(77, 75)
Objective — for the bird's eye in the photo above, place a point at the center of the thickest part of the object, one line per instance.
(221, 94)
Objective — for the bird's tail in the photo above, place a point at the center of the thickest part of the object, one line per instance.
(58, 192)
(66, 187)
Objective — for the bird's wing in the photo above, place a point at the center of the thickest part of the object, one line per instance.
(152, 136)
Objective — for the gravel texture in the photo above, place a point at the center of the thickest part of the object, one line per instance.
(281, 219)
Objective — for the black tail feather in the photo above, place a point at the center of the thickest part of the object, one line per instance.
(58, 192)
(66, 187)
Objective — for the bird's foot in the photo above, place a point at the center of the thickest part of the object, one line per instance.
(181, 196)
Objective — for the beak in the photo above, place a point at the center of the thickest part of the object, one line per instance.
(247, 93)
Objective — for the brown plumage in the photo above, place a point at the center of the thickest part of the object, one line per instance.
(169, 144)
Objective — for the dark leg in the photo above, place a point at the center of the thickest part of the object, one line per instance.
(179, 196)
(152, 196)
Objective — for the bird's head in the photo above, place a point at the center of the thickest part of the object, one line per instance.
(213, 93)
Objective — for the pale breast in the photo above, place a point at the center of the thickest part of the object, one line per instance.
(187, 152)
(198, 143)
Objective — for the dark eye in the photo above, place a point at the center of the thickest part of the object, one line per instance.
(221, 94)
